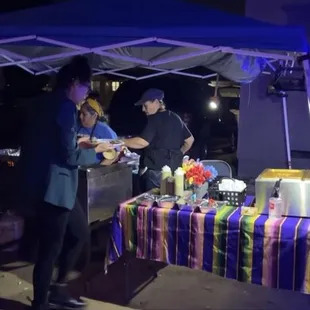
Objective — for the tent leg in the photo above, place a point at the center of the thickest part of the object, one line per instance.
(286, 130)
(306, 66)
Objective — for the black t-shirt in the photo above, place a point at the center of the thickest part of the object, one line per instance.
(165, 132)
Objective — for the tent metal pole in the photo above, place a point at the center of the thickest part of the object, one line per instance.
(124, 44)
(123, 57)
(306, 67)
(21, 66)
(17, 39)
(183, 44)
(286, 130)
(185, 56)
(257, 54)
(176, 71)
(60, 43)
(120, 74)
(50, 69)
(270, 65)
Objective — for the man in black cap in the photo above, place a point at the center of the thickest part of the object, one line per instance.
(165, 139)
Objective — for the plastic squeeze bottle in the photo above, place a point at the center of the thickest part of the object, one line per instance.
(179, 182)
(165, 174)
(276, 202)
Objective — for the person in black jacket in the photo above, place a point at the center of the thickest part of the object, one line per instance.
(50, 157)
(164, 140)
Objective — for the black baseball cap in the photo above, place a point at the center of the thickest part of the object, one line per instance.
(151, 95)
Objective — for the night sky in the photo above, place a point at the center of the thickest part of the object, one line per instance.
(236, 6)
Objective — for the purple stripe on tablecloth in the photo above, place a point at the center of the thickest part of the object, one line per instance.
(287, 253)
(140, 233)
(258, 249)
(249, 200)
(195, 245)
(208, 242)
(172, 236)
(301, 254)
(232, 246)
(183, 233)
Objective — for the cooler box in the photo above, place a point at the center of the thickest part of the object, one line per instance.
(294, 190)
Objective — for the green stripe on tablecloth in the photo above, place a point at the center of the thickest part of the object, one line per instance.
(246, 247)
(220, 239)
(130, 232)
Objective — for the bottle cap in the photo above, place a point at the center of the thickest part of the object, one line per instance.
(179, 171)
(166, 169)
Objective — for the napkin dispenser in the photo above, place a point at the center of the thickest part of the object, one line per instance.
(294, 190)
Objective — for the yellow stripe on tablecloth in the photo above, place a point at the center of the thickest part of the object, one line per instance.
(279, 250)
(199, 247)
(129, 216)
(307, 276)
(248, 229)
(164, 219)
(295, 242)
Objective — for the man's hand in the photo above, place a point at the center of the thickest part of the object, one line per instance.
(83, 139)
(187, 144)
(102, 147)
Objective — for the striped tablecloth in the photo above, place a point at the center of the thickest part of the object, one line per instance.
(274, 253)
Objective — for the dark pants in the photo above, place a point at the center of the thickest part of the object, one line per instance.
(150, 179)
(62, 235)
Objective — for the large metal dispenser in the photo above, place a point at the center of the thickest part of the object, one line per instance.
(294, 190)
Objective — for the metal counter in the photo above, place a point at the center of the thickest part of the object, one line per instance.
(294, 190)
(102, 188)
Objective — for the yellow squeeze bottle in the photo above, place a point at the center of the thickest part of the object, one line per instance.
(179, 182)
(165, 174)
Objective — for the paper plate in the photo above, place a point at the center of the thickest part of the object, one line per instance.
(113, 142)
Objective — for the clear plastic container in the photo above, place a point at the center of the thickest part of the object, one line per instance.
(275, 207)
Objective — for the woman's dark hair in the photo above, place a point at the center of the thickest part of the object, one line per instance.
(77, 69)
(94, 95)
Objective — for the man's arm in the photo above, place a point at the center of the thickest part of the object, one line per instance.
(187, 144)
(145, 138)
(188, 140)
(72, 154)
(136, 143)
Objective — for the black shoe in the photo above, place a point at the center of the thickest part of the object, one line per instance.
(64, 302)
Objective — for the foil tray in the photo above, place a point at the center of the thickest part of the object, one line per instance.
(161, 200)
